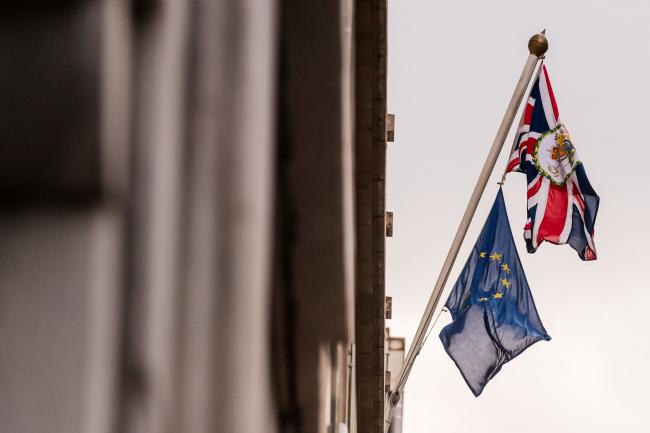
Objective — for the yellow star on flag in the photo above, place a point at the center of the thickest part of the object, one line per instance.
(505, 267)
(498, 295)
(482, 254)
(506, 283)
(495, 256)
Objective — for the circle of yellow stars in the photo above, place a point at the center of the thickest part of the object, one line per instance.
(495, 256)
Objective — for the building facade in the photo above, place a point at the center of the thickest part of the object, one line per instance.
(193, 216)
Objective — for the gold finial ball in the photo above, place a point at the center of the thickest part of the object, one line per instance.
(538, 44)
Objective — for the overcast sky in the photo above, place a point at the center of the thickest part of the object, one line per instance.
(452, 68)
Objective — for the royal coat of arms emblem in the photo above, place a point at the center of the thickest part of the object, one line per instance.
(554, 155)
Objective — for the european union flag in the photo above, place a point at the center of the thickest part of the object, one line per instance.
(493, 312)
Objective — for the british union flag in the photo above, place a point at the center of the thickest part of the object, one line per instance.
(562, 205)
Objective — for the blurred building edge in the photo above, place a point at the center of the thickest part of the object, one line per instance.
(192, 216)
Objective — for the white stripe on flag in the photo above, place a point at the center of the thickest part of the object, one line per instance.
(527, 231)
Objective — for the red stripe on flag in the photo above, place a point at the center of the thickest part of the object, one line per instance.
(533, 189)
(528, 113)
(590, 254)
(554, 215)
(551, 94)
(512, 164)
(529, 145)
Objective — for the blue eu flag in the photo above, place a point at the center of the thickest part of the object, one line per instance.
(493, 312)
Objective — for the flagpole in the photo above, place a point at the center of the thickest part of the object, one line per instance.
(537, 46)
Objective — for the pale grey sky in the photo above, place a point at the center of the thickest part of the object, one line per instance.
(452, 68)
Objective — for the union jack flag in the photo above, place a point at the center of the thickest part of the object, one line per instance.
(562, 205)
